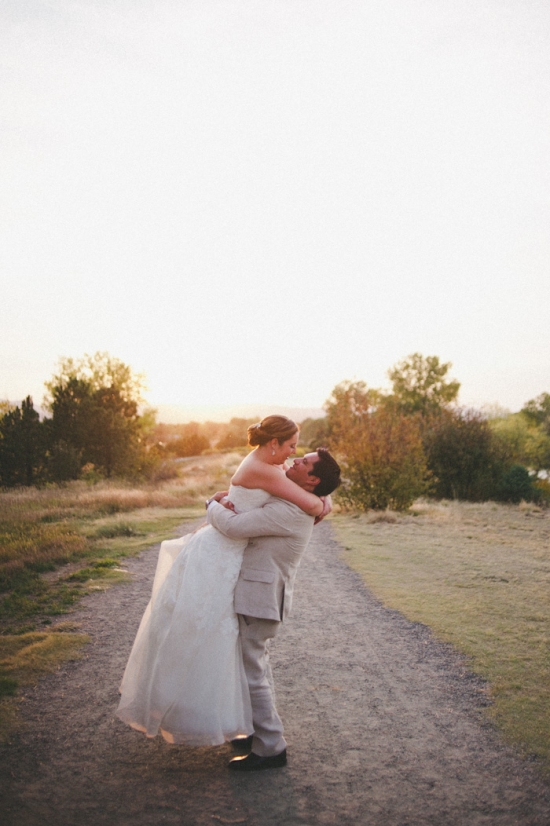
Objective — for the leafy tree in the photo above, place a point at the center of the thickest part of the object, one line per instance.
(380, 449)
(523, 441)
(537, 411)
(466, 460)
(99, 371)
(95, 416)
(191, 442)
(314, 433)
(22, 445)
(420, 385)
(235, 433)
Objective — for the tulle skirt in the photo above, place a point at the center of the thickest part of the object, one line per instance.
(185, 678)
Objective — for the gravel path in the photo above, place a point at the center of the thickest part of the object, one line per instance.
(384, 727)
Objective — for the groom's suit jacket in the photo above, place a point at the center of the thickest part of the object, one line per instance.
(278, 535)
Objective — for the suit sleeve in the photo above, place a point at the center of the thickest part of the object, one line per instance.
(274, 519)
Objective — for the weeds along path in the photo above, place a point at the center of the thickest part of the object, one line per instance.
(384, 725)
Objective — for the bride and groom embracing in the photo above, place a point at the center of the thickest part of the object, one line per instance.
(199, 671)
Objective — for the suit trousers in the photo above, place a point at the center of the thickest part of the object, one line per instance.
(255, 634)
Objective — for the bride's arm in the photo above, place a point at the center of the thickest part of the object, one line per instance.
(274, 481)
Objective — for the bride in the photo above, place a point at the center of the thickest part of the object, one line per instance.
(185, 677)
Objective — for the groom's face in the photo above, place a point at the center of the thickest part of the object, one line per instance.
(301, 470)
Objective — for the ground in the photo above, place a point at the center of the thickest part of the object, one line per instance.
(385, 727)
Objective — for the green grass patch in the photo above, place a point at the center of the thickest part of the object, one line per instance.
(80, 526)
(479, 576)
(24, 658)
(34, 585)
(60, 542)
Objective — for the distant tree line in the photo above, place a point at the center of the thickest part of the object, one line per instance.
(94, 426)
(414, 440)
(394, 446)
(194, 438)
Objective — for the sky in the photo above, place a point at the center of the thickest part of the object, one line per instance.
(251, 201)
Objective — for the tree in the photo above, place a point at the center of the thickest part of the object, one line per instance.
(22, 445)
(537, 411)
(420, 385)
(466, 460)
(99, 371)
(236, 433)
(314, 433)
(517, 484)
(94, 405)
(523, 440)
(380, 448)
(191, 442)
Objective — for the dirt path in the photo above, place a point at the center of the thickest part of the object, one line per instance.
(383, 723)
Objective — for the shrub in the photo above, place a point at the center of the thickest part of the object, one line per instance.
(517, 484)
(466, 460)
(190, 445)
(542, 488)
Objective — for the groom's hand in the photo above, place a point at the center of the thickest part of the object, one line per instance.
(218, 496)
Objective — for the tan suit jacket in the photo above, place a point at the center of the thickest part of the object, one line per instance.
(278, 533)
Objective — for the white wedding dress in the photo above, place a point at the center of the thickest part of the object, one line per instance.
(185, 677)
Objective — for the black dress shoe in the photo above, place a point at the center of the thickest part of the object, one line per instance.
(253, 762)
(242, 744)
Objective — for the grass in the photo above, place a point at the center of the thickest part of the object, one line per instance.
(479, 576)
(27, 657)
(42, 532)
(59, 543)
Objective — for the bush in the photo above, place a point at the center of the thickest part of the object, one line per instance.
(190, 445)
(542, 488)
(517, 484)
(466, 460)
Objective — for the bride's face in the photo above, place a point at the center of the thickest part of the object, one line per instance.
(288, 448)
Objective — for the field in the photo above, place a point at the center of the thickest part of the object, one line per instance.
(479, 576)
(59, 543)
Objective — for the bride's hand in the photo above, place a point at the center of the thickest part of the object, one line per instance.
(327, 508)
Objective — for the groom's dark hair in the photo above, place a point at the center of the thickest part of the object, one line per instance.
(328, 470)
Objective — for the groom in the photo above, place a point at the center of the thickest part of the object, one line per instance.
(279, 533)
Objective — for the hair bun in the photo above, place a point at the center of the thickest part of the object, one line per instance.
(271, 427)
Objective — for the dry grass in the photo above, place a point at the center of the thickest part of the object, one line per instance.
(59, 543)
(42, 530)
(479, 576)
(27, 657)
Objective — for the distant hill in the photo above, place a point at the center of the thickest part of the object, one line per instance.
(180, 414)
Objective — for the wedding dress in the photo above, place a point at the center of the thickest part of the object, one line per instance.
(185, 677)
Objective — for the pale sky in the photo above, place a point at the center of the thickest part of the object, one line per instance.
(253, 200)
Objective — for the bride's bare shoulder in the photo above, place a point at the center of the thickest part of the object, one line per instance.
(251, 471)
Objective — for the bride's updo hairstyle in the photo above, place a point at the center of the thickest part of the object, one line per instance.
(272, 427)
